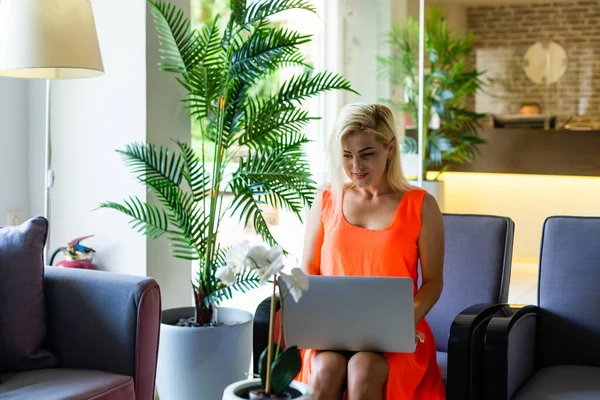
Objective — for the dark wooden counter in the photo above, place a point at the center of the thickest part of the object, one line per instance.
(536, 151)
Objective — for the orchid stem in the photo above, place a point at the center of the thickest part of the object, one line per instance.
(270, 348)
(281, 298)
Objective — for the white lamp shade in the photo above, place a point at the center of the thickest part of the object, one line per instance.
(49, 39)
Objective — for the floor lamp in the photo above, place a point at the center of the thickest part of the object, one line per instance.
(48, 39)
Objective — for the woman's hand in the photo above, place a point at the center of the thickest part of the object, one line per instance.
(419, 337)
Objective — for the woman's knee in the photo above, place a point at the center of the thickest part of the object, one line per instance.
(366, 369)
(329, 366)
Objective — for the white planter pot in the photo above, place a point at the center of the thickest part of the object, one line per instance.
(434, 188)
(199, 363)
(232, 392)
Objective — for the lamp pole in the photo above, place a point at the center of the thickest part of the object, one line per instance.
(48, 172)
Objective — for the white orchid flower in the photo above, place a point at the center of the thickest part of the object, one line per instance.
(236, 256)
(257, 257)
(266, 262)
(226, 274)
(297, 282)
(272, 269)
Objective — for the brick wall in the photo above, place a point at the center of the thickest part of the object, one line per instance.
(504, 33)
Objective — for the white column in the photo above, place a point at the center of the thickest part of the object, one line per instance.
(166, 121)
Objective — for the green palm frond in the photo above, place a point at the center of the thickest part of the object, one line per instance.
(194, 172)
(204, 82)
(409, 145)
(183, 248)
(279, 175)
(265, 123)
(212, 54)
(263, 9)
(238, 10)
(179, 48)
(186, 214)
(304, 86)
(203, 88)
(265, 49)
(146, 218)
(247, 204)
(244, 283)
(153, 163)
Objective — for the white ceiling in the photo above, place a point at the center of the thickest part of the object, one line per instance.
(496, 2)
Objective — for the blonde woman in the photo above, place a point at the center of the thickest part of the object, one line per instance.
(371, 222)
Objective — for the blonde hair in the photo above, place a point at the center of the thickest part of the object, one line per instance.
(375, 119)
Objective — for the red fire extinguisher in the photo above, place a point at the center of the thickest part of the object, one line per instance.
(76, 255)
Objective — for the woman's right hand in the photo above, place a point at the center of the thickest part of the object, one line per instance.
(419, 337)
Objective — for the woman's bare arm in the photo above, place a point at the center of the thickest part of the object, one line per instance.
(313, 238)
(431, 253)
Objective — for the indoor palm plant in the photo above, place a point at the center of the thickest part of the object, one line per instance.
(450, 82)
(219, 68)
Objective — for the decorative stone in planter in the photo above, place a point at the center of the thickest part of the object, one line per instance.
(241, 391)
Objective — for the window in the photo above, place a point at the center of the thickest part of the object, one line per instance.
(286, 228)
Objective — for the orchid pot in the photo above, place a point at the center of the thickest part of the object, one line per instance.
(246, 390)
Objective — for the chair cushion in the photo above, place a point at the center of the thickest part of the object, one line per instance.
(572, 382)
(63, 383)
(442, 360)
(22, 308)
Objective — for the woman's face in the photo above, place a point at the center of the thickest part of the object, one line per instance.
(365, 158)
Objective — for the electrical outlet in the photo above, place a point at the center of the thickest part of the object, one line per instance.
(14, 218)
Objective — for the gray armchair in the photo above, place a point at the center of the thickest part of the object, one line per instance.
(104, 329)
(477, 265)
(552, 351)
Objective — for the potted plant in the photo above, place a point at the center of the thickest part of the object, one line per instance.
(277, 367)
(202, 351)
(450, 82)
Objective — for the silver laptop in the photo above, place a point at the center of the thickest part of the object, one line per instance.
(353, 314)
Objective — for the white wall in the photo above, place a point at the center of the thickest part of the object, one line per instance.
(91, 119)
(14, 169)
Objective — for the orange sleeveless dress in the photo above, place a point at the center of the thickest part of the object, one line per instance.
(349, 250)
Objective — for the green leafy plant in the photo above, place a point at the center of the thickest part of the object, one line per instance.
(219, 69)
(450, 80)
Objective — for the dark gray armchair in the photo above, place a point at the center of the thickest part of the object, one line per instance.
(552, 351)
(476, 278)
(104, 330)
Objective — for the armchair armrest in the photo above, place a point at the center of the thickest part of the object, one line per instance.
(466, 347)
(509, 350)
(104, 321)
(260, 329)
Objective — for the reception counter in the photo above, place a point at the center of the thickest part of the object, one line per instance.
(537, 151)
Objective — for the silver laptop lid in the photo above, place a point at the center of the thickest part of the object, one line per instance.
(352, 313)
